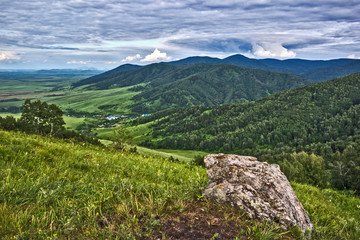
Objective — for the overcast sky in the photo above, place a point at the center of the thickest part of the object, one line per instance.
(107, 33)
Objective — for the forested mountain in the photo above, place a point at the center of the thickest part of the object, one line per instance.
(163, 86)
(209, 85)
(312, 70)
(107, 75)
(322, 118)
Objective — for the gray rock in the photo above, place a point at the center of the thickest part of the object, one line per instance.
(259, 188)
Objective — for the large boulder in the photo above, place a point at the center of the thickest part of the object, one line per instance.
(259, 188)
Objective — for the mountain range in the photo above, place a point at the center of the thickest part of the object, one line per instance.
(312, 70)
(162, 86)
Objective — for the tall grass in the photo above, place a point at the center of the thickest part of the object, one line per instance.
(58, 189)
(53, 188)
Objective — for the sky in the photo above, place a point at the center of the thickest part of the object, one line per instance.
(103, 34)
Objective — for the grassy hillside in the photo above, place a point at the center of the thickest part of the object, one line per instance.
(112, 101)
(162, 86)
(57, 189)
(214, 85)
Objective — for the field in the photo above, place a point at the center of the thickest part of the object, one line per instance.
(59, 189)
(112, 101)
(55, 87)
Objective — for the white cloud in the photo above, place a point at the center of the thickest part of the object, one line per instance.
(353, 56)
(8, 56)
(131, 58)
(155, 56)
(78, 62)
(272, 51)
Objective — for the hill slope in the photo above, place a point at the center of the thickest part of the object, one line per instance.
(290, 114)
(312, 70)
(61, 190)
(163, 86)
(323, 118)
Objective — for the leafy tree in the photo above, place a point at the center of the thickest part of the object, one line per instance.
(306, 168)
(122, 137)
(55, 119)
(40, 118)
(8, 123)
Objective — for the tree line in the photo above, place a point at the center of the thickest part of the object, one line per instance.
(42, 119)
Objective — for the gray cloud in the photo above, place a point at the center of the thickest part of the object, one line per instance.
(79, 30)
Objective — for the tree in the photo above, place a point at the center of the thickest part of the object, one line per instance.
(121, 137)
(55, 119)
(40, 118)
(8, 123)
(306, 168)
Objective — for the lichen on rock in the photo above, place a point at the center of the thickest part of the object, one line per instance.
(259, 188)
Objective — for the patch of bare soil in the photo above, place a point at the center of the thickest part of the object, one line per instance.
(202, 222)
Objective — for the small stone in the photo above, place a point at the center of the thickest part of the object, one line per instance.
(258, 188)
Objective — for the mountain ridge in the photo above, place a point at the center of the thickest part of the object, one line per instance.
(312, 70)
(162, 86)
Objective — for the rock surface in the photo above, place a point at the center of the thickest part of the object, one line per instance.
(259, 188)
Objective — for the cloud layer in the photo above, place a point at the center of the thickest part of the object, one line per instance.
(103, 33)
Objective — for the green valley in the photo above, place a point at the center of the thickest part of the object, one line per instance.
(156, 123)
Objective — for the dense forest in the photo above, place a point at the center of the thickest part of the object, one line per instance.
(321, 119)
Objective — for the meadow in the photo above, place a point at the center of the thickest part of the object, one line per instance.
(58, 189)
(55, 87)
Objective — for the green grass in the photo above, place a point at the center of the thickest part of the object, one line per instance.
(335, 214)
(113, 101)
(72, 122)
(182, 155)
(27, 85)
(53, 188)
(57, 189)
(104, 133)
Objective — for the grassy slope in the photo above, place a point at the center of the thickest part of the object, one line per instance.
(72, 122)
(138, 132)
(56, 189)
(79, 100)
(51, 187)
(117, 100)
